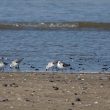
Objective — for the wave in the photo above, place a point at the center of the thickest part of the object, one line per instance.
(55, 25)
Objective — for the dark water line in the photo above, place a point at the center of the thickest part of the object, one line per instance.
(55, 25)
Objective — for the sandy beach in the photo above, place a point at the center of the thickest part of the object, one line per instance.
(54, 91)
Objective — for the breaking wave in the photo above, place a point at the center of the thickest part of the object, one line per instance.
(55, 25)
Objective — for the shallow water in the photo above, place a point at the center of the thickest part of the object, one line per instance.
(85, 49)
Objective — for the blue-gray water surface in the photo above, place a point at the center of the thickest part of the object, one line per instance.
(86, 50)
(54, 10)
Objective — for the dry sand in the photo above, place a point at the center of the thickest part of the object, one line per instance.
(50, 91)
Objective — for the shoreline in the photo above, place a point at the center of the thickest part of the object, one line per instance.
(54, 91)
(50, 72)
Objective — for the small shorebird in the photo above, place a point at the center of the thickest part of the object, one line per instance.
(15, 63)
(52, 65)
(62, 65)
(2, 64)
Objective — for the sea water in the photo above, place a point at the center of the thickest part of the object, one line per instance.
(85, 49)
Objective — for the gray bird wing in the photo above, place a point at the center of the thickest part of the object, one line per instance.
(19, 60)
(65, 65)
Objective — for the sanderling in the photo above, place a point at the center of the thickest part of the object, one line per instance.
(15, 63)
(2, 64)
(52, 65)
(62, 65)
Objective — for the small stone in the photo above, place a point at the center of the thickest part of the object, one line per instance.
(67, 100)
(84, 88)
(27, 100)
(32, 94)
(25, 79)
(68, 91)
(75, 94)
(73, 87)
(78, 99)
(86, 105)
(55, 88)
(95, 102)
(49, 100)
(13, 85)
(3, 99)
(84, 92)
(72, 103)
(5, 85)
(101, 84)
(51, 81)
(19, 99)
(82, 79)
(26, 90)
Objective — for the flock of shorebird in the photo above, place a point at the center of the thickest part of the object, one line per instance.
(14, 64)
(57, 65)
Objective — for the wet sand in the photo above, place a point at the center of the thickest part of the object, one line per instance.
(54, 91)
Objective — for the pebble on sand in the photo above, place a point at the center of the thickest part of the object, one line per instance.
(55, 88)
